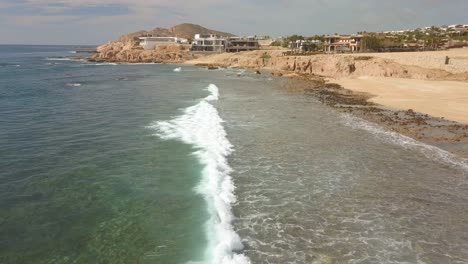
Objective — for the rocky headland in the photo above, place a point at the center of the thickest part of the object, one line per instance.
(127, 50)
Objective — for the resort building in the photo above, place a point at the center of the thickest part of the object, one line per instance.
(150, 43)
(343, 43)
(236, 44)
(208, 43)
(300, 46)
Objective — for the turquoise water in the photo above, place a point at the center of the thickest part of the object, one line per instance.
(104, 163)
(83, 179)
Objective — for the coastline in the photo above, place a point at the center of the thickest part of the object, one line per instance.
(398, 97)
(440, 132)
(398, 91)
(339, 66)
(421, 96)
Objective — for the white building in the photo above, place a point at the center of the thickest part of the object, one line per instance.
(455, 26)
(150, 43)
(305, 45)
(208, 43)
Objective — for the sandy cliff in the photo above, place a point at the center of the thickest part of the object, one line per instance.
(333, 66)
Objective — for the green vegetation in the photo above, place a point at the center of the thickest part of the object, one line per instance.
(317, 37)
(372, 42)
(363, 58)
(265, 56)
(276, 44)
(294, 38)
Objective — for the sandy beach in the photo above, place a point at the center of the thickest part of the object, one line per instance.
(445, 99)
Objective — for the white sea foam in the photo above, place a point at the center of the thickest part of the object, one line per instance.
(58, 59)
(178, 69)
(201, 126)
(10, 65)
(429, 151)
(101, 64)
(139, 63)
(74, 84)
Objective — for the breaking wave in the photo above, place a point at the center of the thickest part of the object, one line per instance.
(201, 126)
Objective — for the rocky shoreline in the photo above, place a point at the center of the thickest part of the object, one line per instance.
(309, 74)
(448, 135)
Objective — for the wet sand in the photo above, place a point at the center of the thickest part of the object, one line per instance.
(441, 132)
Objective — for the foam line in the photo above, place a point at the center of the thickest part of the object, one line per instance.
(58, 59)
(201, 126)
(429, 151)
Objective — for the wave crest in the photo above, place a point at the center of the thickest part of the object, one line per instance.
(201, 126)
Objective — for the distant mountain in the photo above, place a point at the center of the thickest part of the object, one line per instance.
(185, 30)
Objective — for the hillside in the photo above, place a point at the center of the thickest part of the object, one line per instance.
(185, 30)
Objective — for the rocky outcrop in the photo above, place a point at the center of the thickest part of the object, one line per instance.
(129, 52)
(126, 48)
(185, 30)
(332, 66)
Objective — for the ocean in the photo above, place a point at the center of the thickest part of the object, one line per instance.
(153, 163)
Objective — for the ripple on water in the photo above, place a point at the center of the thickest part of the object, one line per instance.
(312, 189)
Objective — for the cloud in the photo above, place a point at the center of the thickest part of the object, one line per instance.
(35, 20)
(96, 21)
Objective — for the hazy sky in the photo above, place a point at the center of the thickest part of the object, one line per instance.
(96, 21)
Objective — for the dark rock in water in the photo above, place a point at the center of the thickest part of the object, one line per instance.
(276, 74)
(211, 67)
(258, 72)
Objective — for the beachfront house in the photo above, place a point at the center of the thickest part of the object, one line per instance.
(237, 44)
(208, 43)
(343, 43)
(151, 43)
(301, 46)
